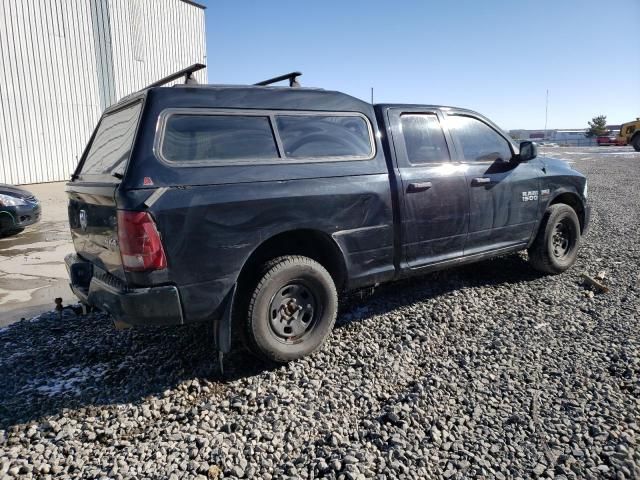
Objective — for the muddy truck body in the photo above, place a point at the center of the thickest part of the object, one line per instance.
(254, 207)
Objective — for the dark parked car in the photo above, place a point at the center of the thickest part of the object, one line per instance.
(18, 209)
(255, 206)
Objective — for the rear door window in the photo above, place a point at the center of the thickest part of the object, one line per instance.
(207, 137)
(325, 136)
(423, 138)
(111, 147)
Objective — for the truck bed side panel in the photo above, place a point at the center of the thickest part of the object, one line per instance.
(224, 224)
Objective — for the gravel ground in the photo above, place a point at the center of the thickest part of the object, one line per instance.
(487, 371)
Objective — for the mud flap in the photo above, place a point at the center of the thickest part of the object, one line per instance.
(222, 328)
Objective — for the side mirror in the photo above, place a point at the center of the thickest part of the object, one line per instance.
(528, 151)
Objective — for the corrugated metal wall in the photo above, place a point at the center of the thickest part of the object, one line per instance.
(63, 61)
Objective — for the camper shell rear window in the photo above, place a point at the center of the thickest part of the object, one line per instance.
(110, 149)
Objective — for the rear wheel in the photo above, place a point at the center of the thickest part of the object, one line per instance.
(292, 309)
(555, 248)
(636, 143)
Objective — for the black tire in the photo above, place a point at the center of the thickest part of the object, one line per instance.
(291, 310)
(555, 248)
(635, 142)
(10, 232)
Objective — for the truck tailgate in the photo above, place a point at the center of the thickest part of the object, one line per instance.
(94, 225)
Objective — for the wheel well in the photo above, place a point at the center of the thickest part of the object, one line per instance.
(311, 243)
(574, 202)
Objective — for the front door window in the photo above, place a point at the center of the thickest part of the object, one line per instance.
(480, 142)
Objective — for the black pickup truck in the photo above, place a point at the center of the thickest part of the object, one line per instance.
(253, 207)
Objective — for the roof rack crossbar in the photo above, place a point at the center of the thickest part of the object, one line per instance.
(187, 73)
(292, 77)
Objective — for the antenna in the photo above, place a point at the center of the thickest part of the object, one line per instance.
(292, 77)
(546, 112)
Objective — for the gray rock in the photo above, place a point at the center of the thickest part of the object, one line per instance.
(349, 460)
(539, 469)
(237, 471)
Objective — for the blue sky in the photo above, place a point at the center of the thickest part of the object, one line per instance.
(497, 57)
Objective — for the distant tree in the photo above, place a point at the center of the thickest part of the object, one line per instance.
(597, 127)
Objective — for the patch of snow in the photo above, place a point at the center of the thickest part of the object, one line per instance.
(622, 153)
(66, 381)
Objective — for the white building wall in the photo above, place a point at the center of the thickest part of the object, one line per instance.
(140, 26)
(63, 61)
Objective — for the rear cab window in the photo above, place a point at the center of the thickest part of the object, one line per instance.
(109, 152)
(192, 137)
(423, 138)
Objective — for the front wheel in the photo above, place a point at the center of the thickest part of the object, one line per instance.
(555, 248)
(292, 309)
(10, 232)
(636, 143)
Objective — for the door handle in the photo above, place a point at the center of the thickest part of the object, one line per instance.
(418, 187)
(480, 181)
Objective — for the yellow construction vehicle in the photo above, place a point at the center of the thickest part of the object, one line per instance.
(630, 134)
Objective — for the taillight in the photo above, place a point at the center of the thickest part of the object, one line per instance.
(140, 245)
